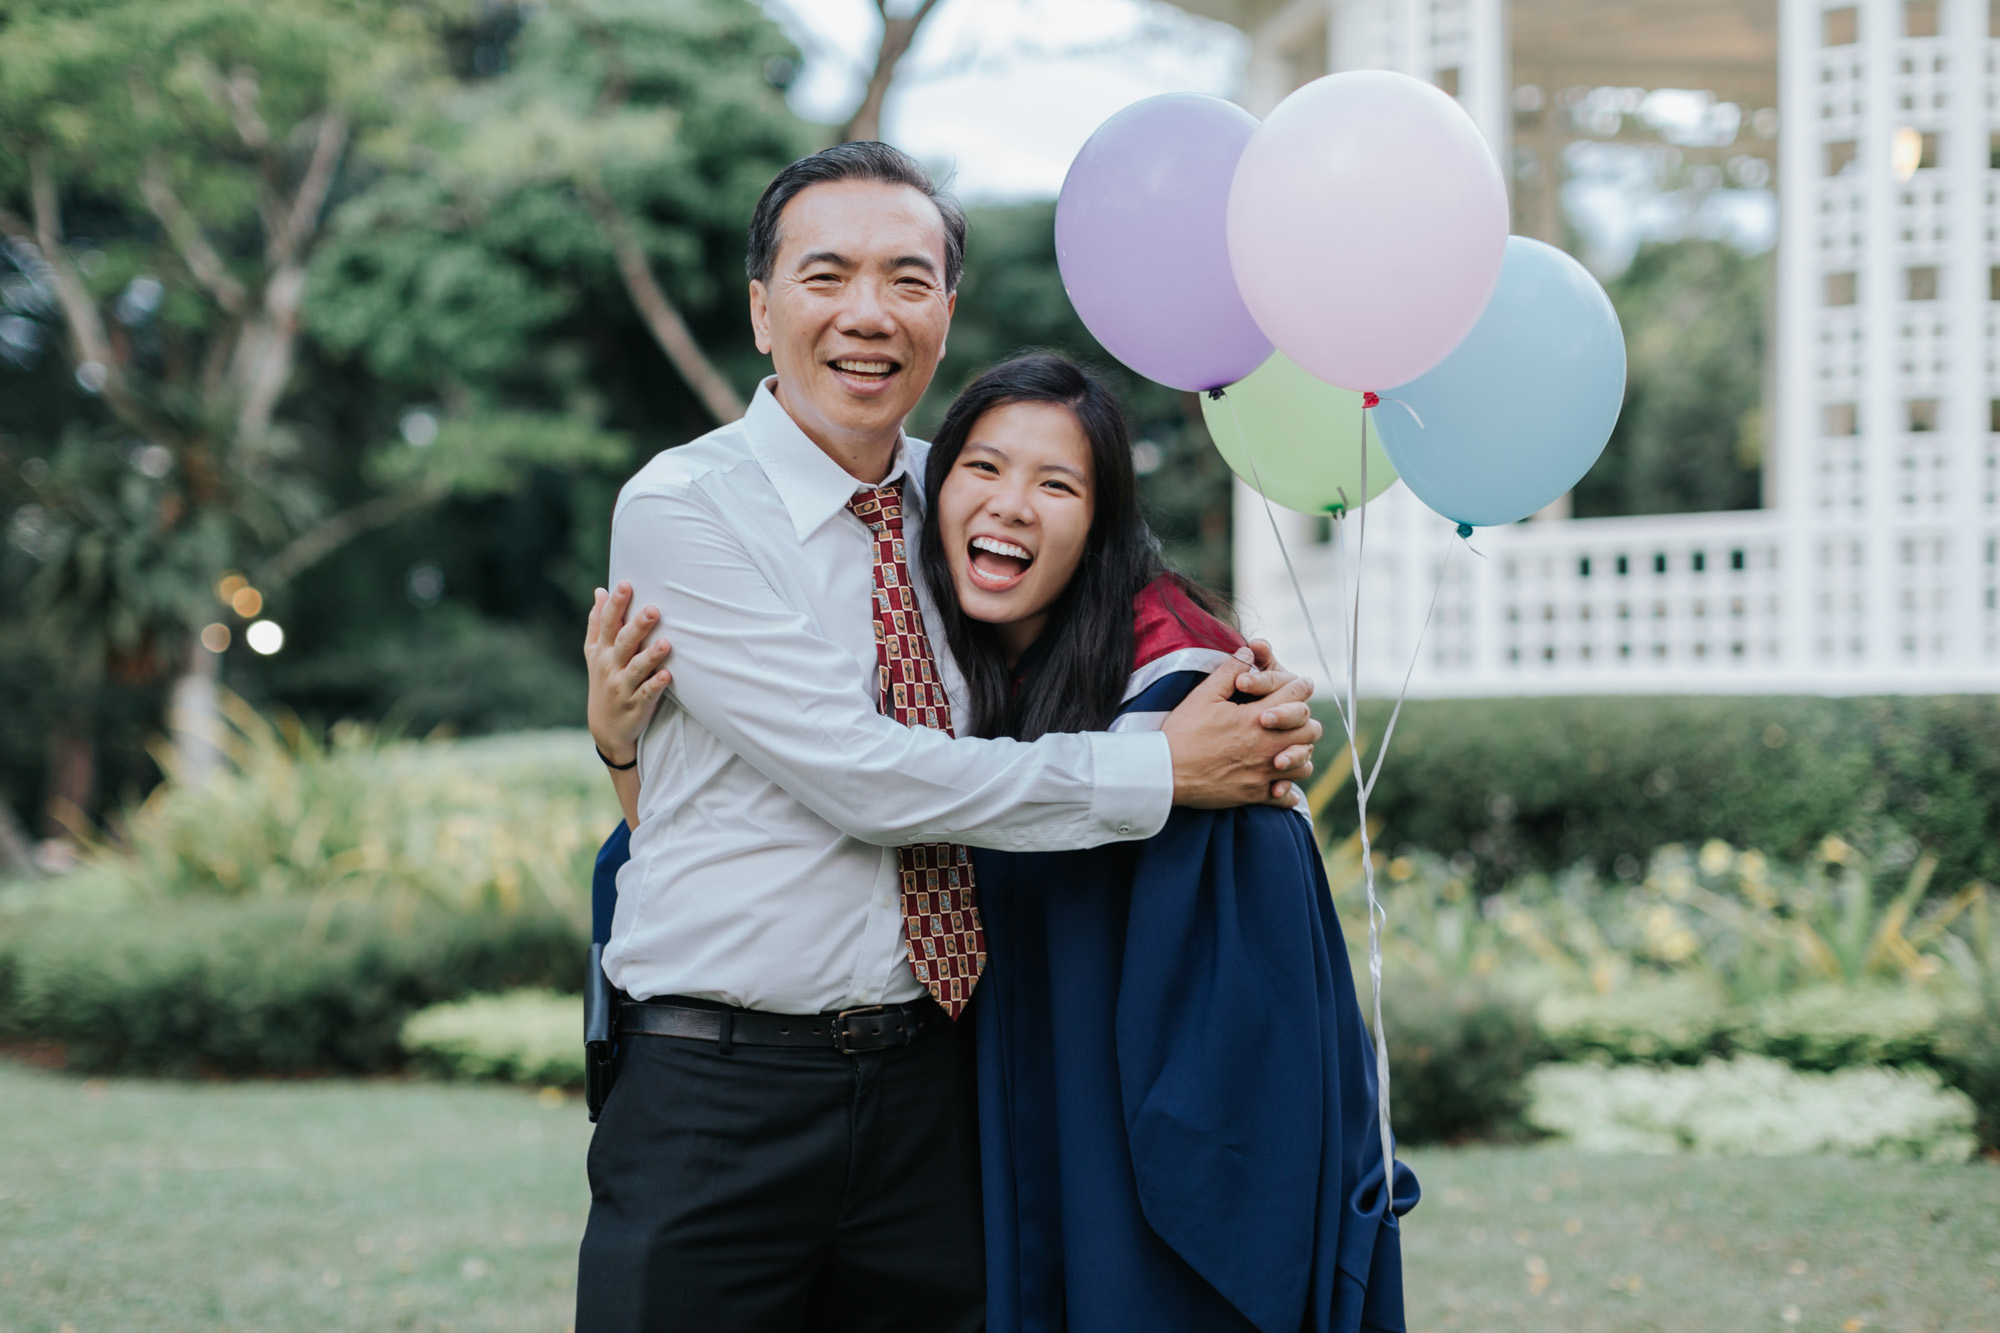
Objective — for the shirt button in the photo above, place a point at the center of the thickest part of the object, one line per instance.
(1124, 828)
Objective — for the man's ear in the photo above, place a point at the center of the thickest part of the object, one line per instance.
(950, 308)
(760, 316)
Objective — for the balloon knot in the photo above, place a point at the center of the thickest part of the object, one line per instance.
(1465, 529)
(1337, 510)
(1371, 400)
(1214, 395)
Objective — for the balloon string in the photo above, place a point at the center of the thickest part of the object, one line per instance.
(1444, 567)
(1298, 590)
(1373, 399)
(1378, 918)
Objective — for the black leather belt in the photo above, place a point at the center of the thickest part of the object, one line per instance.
(850, 1031)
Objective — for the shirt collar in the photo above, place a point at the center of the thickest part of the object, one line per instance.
(811, 485)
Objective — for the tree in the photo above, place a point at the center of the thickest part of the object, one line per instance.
(625, 144)
(165, 167)
(1689, 438)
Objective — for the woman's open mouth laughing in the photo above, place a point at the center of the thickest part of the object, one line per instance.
(997, 565)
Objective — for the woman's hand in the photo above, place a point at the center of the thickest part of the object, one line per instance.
(626, 681)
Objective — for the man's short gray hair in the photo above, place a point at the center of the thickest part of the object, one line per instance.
(863, 160)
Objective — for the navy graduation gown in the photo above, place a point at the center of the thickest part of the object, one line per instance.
(1176, 1087)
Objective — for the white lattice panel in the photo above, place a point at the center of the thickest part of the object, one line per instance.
(1880, 567)
(1923, 560)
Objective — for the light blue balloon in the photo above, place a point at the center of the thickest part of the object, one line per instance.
(1520, 410)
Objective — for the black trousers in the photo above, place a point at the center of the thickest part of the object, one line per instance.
(786, 1190)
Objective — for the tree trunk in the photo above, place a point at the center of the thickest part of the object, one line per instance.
(16, 856)
(663, 319)
(897, 36)
(72, 777)
(194, 718)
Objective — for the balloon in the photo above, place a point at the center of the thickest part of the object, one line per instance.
(1366, 224)
(1517, 414)
(1304, 436)
(1140, 241)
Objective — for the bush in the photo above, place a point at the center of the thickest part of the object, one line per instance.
(1676, 1021)
(1685, 1019)
(266, 986)
(524, 1036)
(1459, 1052)
(506, 821)
(1536, 784)
(1836, 1027)
(1753, 1106)
(1969, 1054)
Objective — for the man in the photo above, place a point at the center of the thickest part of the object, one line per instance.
(790, 1144)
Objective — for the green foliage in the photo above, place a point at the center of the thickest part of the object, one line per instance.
(1685, 1019)
(1680, 1020)
(506, 823)
(1752, 1106)
(524, 1036)
(1526, 785)
(265, 986)
(461, 271)
(1690, 436)
(1756, 931)
(493, 453)
(479, 266)
(1838, 1027)
(177, 136)
(453, 669)
(1459, 1055)
(1970, 1050)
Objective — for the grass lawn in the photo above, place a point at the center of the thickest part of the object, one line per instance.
(132, 1206)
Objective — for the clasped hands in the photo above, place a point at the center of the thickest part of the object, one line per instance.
(1224, 753)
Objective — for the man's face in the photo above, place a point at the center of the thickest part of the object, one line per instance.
(855, 314)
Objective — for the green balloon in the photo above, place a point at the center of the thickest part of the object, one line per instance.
(1304, 436)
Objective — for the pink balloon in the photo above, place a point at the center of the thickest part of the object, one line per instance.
(1367, 222)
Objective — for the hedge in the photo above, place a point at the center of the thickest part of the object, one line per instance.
(260, 987)
(1460, 1051)
(1539, 784)
(524, 1036)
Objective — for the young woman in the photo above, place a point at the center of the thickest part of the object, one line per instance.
(1177, 1091)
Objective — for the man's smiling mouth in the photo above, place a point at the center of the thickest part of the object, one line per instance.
(866, 369)
(997, 565)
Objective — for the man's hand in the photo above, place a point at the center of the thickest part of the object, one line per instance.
(625, 682)
(1227, 754)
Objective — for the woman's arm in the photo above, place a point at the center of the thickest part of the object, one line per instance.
(626, 682)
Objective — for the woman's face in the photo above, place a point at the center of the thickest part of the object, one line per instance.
(1013, 513)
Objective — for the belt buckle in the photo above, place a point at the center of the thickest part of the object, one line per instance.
(864, 1011)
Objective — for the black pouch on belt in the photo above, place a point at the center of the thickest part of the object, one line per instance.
(600, 1039)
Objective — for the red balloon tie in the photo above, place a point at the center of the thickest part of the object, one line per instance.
(1369, 399)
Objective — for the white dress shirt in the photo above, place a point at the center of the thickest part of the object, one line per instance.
(773, 794)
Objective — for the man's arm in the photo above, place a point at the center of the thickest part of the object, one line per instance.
(796, 706)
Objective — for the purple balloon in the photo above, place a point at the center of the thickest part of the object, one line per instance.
(1142, 240)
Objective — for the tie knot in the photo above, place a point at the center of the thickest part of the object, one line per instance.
(879, 506)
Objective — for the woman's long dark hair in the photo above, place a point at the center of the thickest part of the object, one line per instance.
(1084, 655)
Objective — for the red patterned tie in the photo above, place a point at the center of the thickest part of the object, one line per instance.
(940, 919)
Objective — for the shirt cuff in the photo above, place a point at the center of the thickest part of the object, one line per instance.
(1132, 789)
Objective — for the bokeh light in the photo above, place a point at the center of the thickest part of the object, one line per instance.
(265, 637)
